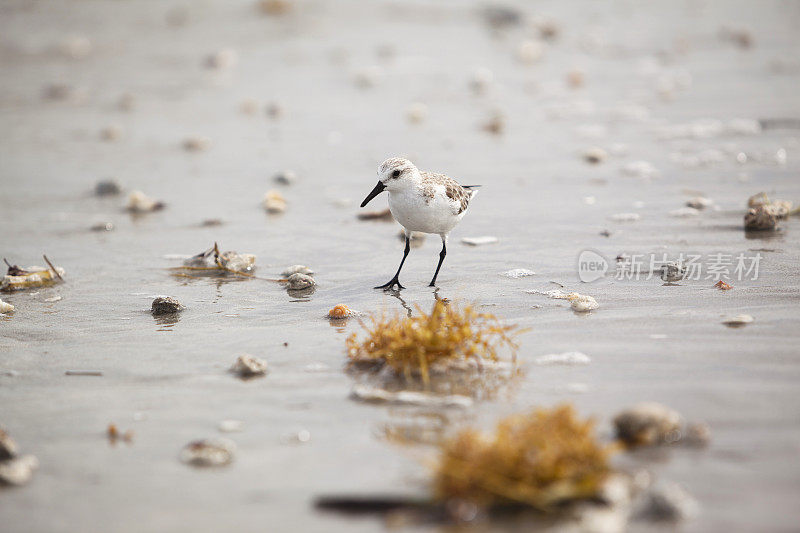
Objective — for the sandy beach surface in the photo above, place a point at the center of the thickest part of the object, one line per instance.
(706, 93)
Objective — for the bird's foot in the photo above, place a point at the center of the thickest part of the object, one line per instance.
(390, 285)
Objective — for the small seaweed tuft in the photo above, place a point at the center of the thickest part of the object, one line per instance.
(539, 459)
(447, 337)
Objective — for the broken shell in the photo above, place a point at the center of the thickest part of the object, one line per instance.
(107, 188)
(287, 177)
(699, 202)
(582, 303)
(340, 311)
(595, 155)
(5, 307)
(478, 241)
(274, 202)
(223, 59)
(197, 144)
(672, 272)
(738, 321)
(208, 452)
(298, 281)
(416, 112)
(530, 51)
(164, 305)
(8, 447)
(721, 285)
(297, 269)
(18, 471)
(760, 218)
(647, 424)
(247, 366)
(237, 262)
(139, 202)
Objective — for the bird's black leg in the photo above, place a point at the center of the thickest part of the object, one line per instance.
(441, 260)
(395, 281)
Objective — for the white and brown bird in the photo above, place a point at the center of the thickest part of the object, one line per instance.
(421, 201)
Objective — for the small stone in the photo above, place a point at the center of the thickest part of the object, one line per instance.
(107, 188)
(648, 424)
(18, 471)
(672, 272)
(595, 155)
(295, 269)
(760, 218)
(274, 202)
(287, 177)
(738, 321)
(208, 452)
(298, 281)
(248, 366)
(164, 305)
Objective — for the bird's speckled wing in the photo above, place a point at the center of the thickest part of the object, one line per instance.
(459, 196)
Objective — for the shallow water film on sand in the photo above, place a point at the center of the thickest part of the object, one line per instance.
(189, 337)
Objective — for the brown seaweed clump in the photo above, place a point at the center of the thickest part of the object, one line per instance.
(538, 459)
(447, 337)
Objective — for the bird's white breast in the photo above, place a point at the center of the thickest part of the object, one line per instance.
(418, 212)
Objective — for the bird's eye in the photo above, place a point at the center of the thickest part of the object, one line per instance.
(396, 174)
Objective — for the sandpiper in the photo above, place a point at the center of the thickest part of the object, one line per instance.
(421, 201)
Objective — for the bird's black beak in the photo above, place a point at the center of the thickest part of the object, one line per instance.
(375, 192)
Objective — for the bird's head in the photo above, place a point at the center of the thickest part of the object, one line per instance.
(394, 174)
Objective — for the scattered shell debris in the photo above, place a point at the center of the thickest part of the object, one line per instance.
(222, 59)
(298, 281)
(208, 452)
(274, 202)
(14, 469)
(518, 273)
(672, 271)
(565, 358)
(197, 144)
(723, 286)
(286, 177)
(383, 214)
(340, 311)
(364, 393)
(738, 321)
(139, 202)
(164, 305)
(248, 366)
(541, 459)
(595, 155)
(108, 187)
(214, 262)
(17, 278)
(625, 217)
(417, 112)
(230, 426)
(5, 307)
(479, 241)
(582, 303)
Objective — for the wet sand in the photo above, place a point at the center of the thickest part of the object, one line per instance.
(168, 381)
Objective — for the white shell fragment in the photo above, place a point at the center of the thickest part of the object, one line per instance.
(18, 471)
(247, 366)
(139, 202)
(237, 262)
(274, 202)
(297, 269)
(582, 303)
(478, 241)
(738, 321)
(566, 358)
(208, 452)
(5, 307)
(374, 395)
(298, 281)
(518, 273)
